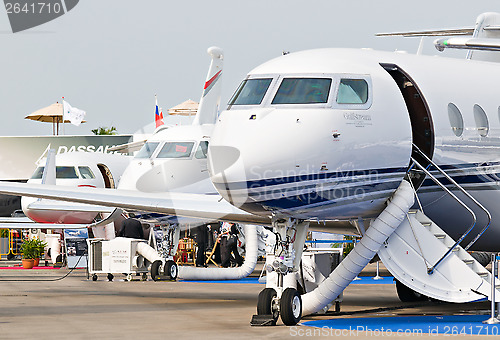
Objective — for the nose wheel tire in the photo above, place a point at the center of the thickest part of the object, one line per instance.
(290, 307)
(265, 303)
(170, 270)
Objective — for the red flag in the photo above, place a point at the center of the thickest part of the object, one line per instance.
(180, 148)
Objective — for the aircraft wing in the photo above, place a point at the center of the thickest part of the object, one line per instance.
(7, 220)
(68, 206)
(26, 223)
(34, 225)
(180, 204)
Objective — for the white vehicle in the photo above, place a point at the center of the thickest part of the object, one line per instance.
(340, 139)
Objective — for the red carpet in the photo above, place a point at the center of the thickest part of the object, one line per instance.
(21, 267)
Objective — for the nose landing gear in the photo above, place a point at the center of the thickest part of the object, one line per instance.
(280, 297)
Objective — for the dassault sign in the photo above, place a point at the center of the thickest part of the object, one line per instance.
(20, 153)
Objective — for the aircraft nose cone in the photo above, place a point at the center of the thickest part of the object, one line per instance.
(221, 159)
(227, 168)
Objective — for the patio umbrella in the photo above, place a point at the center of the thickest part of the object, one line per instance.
(188, 108)
(50, 114)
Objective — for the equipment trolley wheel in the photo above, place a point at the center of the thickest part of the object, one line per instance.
(94, 277)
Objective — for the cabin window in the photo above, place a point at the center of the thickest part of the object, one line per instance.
(303, 91)
(176, 150)
(61, 172)
(147, 150)
(85, 172)
(481, 121)
(352, 91)
(251, 92)
(456, 119)
(202, 150)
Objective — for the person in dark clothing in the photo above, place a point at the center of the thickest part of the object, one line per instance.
(201, 240)
(229, 244)
(131, 228)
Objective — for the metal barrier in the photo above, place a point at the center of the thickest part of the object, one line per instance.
(10, 244)
(494, 268)
(4, 242)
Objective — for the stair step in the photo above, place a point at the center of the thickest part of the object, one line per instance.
(440, 236)
(426, 224)
(456, 250)
(412, 211)
(469, 261)
(483, 275)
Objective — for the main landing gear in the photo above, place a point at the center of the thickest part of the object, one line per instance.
(280, 297)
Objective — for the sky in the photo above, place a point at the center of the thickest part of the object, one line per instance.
(110, 57)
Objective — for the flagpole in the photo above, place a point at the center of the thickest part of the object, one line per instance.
(63, 115)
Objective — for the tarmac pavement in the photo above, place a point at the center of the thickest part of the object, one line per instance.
(77, 308)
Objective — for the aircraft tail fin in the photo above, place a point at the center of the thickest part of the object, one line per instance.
(210, 99)
(49, 172)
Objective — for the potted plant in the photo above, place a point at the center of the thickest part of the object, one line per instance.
(28, 250)
(39, 249)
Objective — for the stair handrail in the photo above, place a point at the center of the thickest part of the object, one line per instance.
(474, 219)
(448, 177)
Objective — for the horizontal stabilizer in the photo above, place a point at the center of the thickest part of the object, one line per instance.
(466, 43)
(128, 147)
(430, 33)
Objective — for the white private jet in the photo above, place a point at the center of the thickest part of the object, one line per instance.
(75, 169)
(172, 159)
(344, 139)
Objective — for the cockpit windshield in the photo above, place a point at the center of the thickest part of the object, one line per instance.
(303, 91)
(147, 150)
(251, 92)
(176, 150)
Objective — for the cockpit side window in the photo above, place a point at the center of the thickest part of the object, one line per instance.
(38, 173)
(61, 172)
(66, 172)
(352, 91)
(202, 150)
(303, 91)
(147, 150)
(251, 92)
(176, 150)
(85, 172)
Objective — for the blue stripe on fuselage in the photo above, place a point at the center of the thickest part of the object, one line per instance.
(295, 197)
